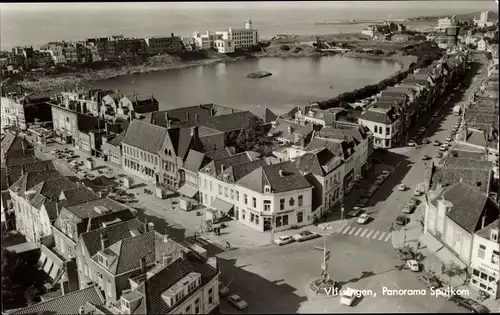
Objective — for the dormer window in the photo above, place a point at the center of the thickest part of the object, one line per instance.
(267, 189)
(494, 235)
(125, 304)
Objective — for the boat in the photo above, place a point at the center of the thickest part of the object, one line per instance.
(259, 74)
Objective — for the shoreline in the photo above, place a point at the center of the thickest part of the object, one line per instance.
(48, 83)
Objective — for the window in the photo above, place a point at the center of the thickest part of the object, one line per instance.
(226, 191)
(245, 199)
(267, 205)
(375, 129)
(300, 217)
(282, 204)
(237, 196)
(292, 202)
(210, 296)
(254, 202)
(494, 235)
(267, 189)
(475, 272)
(205, 182)
(243, 214)
(210, 185)
(481, 250)
(188, 309)
(278, 222)
(197, 306)
(232, 194)
(285, 220)
(220, 189)
(388, 130)
(301, 200)
(256, 219)
(252, 217)
(494, 257)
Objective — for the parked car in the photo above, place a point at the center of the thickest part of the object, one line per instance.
(425, 157)
(426, 141)
(439, 155)
(408, 209)
(417, 192)
(363, 218)
(355, 212)
(435, 115)
(73, 163)
(357, 178)
(412, 202)
(436, 143)
(404, 254)
(348, 296)
(402, 187)
(448, 140)
(471, 305)
(304, 236)
(90, 176)
(283, 240)
(412, 143)
(223, 290)
(237, 302)
(54, 151)
(429, 280)
(443, 147)
(401, 220)
(413, 265)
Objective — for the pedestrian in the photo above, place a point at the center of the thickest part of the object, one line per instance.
(195, 235)
(418, 245)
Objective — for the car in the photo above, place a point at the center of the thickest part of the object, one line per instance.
(435, 115)
(304, 236)
(443, 147)
(436, 143)
(408, 209)
(237, 302)
(363, 218)
(401, 220)
(425, 157)
(412, 143)
(73, 163)
(426, 141)
(223, 290)
(54, 151)
(429, 280)
(439, 155)
(417, 192)
(357, 178)
(90, 176)
(412, 202)
(422, 129)
(402, 187)
(455, 128)
(404, 254)
(348, 296)
(283, 240)
(471, 305)
(379, 181)
(413, 265)
(355, 212)
(449, 139)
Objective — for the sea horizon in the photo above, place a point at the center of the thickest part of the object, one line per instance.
(36, 24)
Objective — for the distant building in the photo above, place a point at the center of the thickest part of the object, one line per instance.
(163, 44)
(485, 20)
(369, 31)
(482, 45)
(21, 110)
(443, 24)
(204, 40)
(224, 46)
(243, 37)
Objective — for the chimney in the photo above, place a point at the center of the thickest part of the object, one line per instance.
(104, 241)
(196, 116)
(289, 129)
(152, 98)
(222, 168)
(281, 173)
(187, 116)
(145, 225)
(143, 265)
(194, 131)
(483, 221)
(150, 227)
(172, 34)
(81, 310)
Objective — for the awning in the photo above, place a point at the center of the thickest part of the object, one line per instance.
(447, 257)
(188, 191)
(221, 205)
(41, 261)
(432, 243)
(47, 266)
(54, 271)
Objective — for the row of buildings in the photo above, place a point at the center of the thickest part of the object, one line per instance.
(398, 108)
(113, 47)
(461, 223)
(99, 258)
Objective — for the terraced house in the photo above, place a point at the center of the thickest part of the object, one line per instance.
(257, 194)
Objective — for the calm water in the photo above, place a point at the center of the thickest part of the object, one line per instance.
(38, 23)
(294, 82)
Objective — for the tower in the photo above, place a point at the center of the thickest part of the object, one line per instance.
(248, 24)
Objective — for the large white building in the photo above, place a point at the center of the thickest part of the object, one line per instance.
(485, 262)
(226, 41)
(255, 193)
(484, 20)
(443, 24)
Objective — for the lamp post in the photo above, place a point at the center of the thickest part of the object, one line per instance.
(273, 225)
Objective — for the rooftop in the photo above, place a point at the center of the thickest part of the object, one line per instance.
(88, 209)
(145, 136)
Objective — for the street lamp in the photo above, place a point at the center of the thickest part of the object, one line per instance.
(273, 225)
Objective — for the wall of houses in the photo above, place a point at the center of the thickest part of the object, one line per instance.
(140, 163)
(12, 113)
(203, 301)
(65, 122)
(383, 135)
(458, 239)
(485, 265)
(253, 208)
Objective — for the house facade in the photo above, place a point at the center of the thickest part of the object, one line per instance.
(384, 124)
(485, 263)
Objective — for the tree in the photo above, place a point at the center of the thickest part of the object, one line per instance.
(452, 270)
(285, 47)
